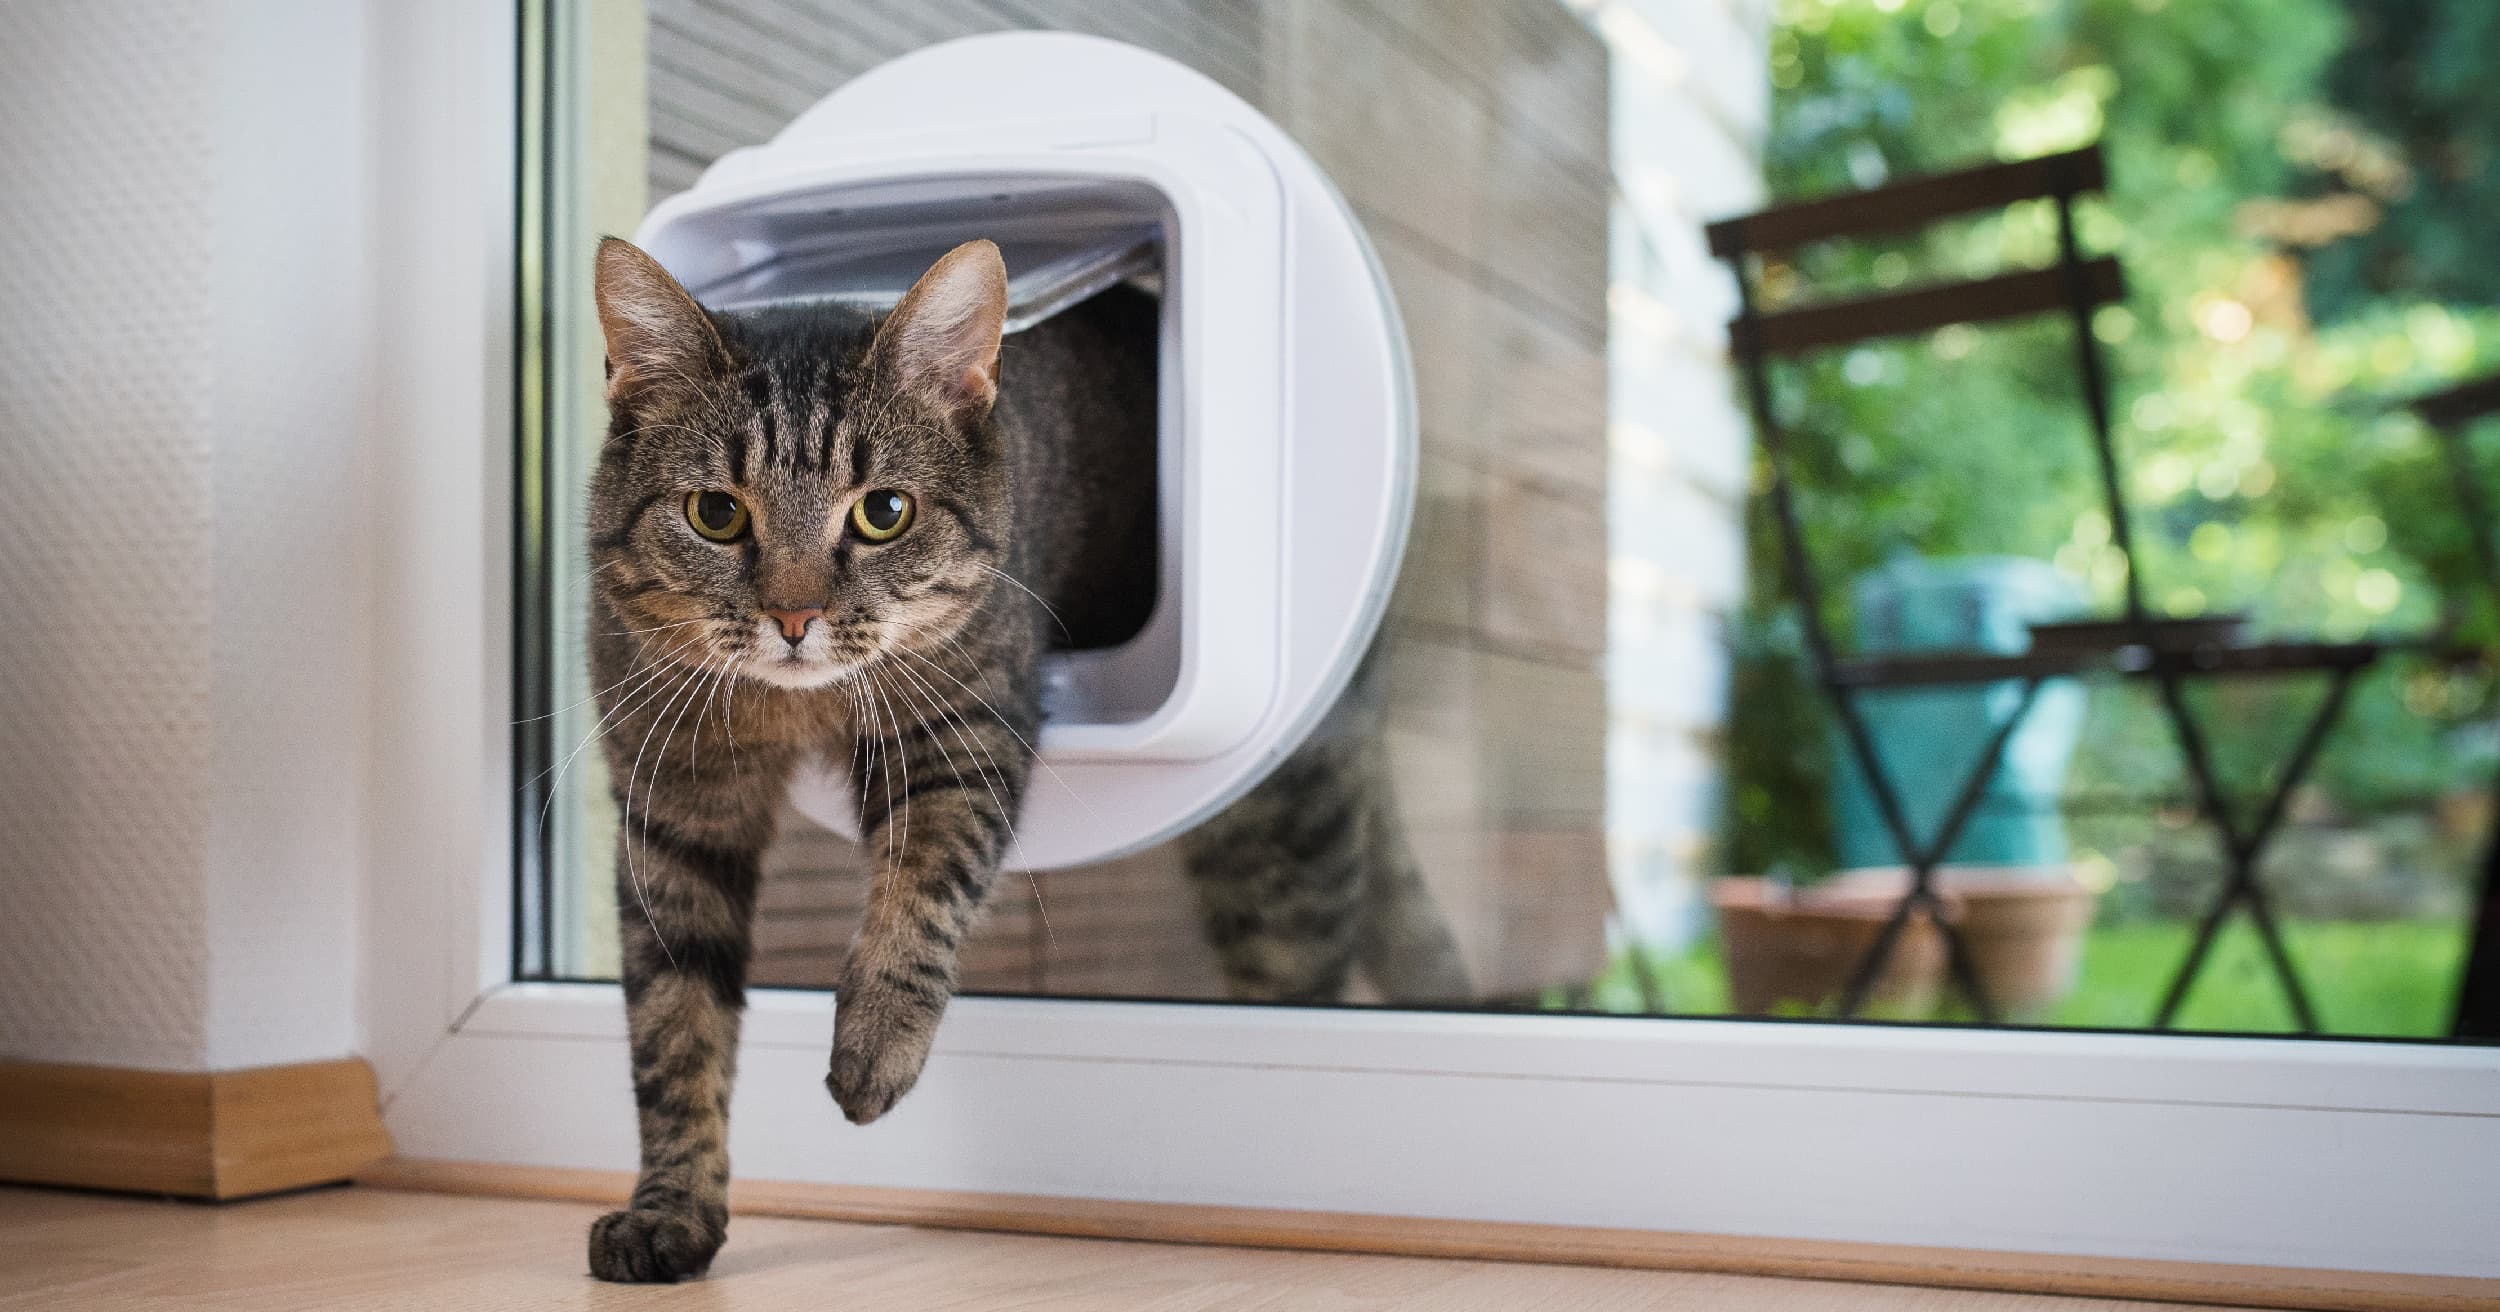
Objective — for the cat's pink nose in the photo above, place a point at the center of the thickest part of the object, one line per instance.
(794, 622)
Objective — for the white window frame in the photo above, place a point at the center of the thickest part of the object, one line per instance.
(2326, 1154)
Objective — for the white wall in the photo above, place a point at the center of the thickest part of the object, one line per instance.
(1691, 95)
(184, 273)
(106, 332)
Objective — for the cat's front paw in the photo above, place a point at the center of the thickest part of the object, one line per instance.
(880, 1042)
(649, 1246)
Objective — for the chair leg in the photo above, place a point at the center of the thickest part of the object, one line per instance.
(2261, 914)
(2245, 852)
(1862, 976)
(2198, 946)
(1924, 858)
(2478, 993)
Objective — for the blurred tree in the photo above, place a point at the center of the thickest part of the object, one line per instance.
(2414, 147)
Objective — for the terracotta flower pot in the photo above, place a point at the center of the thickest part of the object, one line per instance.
(1786, 953)
(2024, 926)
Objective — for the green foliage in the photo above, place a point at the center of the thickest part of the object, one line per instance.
(2414, 84)
(2393, 979)
(2266, 471)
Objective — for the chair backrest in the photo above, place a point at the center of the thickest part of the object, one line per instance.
(2455, 407)
(1906, 206)
(2075, 285)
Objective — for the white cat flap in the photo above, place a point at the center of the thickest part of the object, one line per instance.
(1286, 425)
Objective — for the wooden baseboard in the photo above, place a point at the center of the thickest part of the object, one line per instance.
(2175, 1282)
(203, 1134)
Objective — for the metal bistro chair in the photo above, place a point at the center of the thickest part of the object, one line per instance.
(2140, 644)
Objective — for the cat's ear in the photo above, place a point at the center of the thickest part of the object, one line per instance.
(941, 341)
(658, 338)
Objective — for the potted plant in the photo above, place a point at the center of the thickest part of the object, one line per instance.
(1791, 950)
(2023, 926)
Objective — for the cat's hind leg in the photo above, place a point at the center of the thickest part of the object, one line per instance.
(1407, 950)
(1279, 876)
(1309, 875)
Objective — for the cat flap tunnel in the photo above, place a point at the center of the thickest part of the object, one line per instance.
(1285, 452)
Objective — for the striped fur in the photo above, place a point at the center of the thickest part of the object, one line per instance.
(1309, 876)
(1032, 473)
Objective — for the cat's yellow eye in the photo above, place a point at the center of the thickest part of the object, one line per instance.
(716, 515)
(882, 515)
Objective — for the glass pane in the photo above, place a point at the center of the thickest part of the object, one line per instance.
(1598, 760)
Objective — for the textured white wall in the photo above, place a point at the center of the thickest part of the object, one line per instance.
(182, 273)
(107, 335)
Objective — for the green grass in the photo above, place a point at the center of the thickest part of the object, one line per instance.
(2390, 979)
(2383, 979)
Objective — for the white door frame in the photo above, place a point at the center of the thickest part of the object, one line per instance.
(2348, 1155)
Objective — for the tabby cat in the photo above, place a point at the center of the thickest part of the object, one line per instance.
(818, 531)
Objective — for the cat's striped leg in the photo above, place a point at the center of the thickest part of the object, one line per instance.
(1406, 948)
(943, 776)
(1280, 878)
(1309, 874)
(687, 867)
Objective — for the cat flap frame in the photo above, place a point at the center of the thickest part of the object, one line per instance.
(1285, 463)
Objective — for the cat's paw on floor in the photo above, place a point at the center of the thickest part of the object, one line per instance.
(648, 1246)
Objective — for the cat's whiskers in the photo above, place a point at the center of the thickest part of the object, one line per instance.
(979, 670)
(858, 731)
(596, 730)
(661, 628)
(1033, 753)
(633, 874)
(596, 566)
(935, 708)
(696, 739)
(869, 705)
(936, 705)
(652, 678)
(899, 835)
(894, 723)
(1006, 813)
(729, 713)
(628, 823)
(1011, 818)
(1037, 597)
(651, 790)
(1003, 721)
(640, 696)
(610, 688)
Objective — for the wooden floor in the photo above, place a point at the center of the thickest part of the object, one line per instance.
(366, 1248)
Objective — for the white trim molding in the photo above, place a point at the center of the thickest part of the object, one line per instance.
(2342, 1156)
(437, 858)
(2332, 1155)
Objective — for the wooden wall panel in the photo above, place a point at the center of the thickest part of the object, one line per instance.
(1545, 569)
(1471, 137)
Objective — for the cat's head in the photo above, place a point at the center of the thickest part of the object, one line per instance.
(795, 492)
